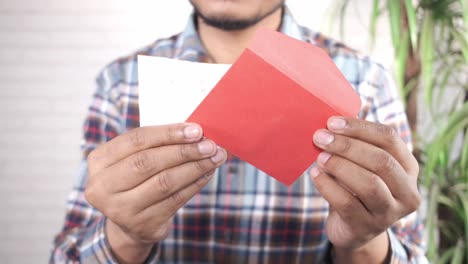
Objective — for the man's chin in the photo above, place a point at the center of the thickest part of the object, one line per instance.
(231, 22)
(228, 24)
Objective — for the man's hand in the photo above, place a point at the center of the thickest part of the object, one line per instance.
(369, 177)
(140, 179)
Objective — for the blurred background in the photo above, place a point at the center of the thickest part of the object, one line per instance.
(50, 53)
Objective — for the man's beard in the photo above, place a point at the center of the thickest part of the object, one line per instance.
(230, 24)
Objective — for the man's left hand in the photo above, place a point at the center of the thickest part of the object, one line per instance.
(368, 176)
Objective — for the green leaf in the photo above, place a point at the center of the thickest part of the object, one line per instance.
(464, 5)
(338, 12)
(464, 157)
(443, 163)
(343, 8)
(373, 23)
(441, 144)
(445, 74)
(431, 226)
(458, 253)
(457, 119)
(394, 11)
(462, 42)
(442, 199)
(452, 205)
(456, 122)
(448, 229)
(427, 52)
(464, 205)
(400, 64)
(461, 191)
(446, 256)
(461, 187)
(412, 23)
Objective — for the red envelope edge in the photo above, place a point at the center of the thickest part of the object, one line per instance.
(267, 107)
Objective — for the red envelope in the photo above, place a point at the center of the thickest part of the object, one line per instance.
(268, 105)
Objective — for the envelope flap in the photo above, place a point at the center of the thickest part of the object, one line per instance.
(309, 66)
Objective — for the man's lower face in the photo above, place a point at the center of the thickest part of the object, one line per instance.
(234, 14)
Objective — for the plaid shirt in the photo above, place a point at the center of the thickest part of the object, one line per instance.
(242, 215)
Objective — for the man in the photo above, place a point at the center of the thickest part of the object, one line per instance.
(149, 194)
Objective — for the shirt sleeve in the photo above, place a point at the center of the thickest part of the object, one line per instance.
(83, 237)
(385, 106)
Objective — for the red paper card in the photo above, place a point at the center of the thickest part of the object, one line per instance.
(268, 105)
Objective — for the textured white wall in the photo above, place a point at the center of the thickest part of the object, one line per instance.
(50, 52)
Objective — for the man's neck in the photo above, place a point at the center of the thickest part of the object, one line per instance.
(226, 46)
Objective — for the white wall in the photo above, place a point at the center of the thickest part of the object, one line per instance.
(50, 52)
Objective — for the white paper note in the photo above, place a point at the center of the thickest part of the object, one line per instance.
(170, 90)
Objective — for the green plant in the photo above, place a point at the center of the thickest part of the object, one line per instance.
(429, 38)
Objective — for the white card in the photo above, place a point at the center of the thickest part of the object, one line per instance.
(170, 90)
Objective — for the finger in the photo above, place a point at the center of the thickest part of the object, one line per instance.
(367, 156)
(376, 134)
(346, 205)
(142, 138)
(170, 181)
(169, 206)
(370, 189)
(142, 165)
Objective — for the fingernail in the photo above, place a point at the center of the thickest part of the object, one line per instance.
(323, 138)
(337, 123)
(314, 172)
(206, 147)
(210, 175)
(191, 132)
(323, 158)
(219, 156)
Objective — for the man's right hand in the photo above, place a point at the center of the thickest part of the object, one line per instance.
(140, 179)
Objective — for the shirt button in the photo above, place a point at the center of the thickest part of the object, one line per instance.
(233, 169)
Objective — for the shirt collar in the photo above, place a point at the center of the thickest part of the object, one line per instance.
(189, 46)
